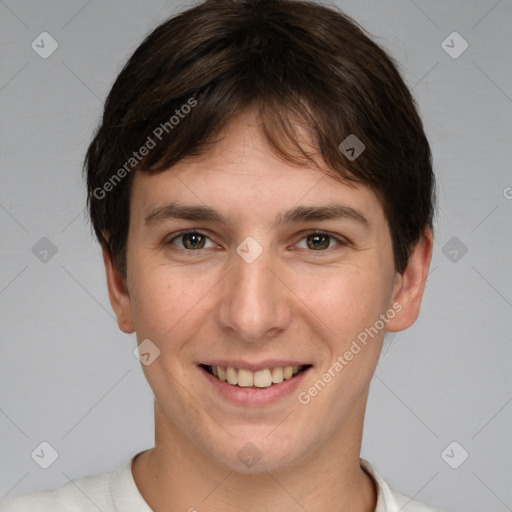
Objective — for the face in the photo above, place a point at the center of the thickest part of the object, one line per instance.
(264, 284)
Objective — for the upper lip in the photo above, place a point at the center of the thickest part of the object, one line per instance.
(269, 363)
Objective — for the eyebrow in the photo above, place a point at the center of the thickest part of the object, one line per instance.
(295, 215)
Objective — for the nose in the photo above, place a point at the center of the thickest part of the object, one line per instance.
(255, 302)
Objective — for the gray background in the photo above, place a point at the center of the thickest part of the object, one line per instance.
(68, 375)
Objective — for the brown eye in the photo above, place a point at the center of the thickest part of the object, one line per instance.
(191, 240)
(321, 242)
(318, 241)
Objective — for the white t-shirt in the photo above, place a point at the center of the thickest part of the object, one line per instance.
(117, 492)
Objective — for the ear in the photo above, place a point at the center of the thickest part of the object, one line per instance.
(409, 286)
(118, 295)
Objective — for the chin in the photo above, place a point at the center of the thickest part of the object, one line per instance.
(256, 452)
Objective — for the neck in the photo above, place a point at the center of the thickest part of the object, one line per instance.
(177, 475)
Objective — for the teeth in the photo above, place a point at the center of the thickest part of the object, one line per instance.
(222, 373)
(245, 378)
(260, 379)
(277, 375)
(232, 376)
(263, 378)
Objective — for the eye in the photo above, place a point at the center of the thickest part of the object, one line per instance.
(191, 240)
(320, 241)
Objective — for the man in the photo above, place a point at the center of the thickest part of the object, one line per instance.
(262, 189)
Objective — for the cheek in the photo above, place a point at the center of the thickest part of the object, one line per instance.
(345, 302)
(343, 309)
(165, 300)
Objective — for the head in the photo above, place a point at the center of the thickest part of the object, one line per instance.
(288, 146)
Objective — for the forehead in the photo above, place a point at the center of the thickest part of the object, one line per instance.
(241, 176)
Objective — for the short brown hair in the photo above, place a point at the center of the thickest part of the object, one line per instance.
(301, 64)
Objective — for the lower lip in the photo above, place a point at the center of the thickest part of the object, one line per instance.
(255, 396)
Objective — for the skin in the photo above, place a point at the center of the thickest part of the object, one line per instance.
(293, 302)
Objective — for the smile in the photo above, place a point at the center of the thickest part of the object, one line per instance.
(244, 378)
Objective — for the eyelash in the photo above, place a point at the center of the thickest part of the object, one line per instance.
(340, 241)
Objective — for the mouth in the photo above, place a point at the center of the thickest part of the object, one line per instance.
(264, 378)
